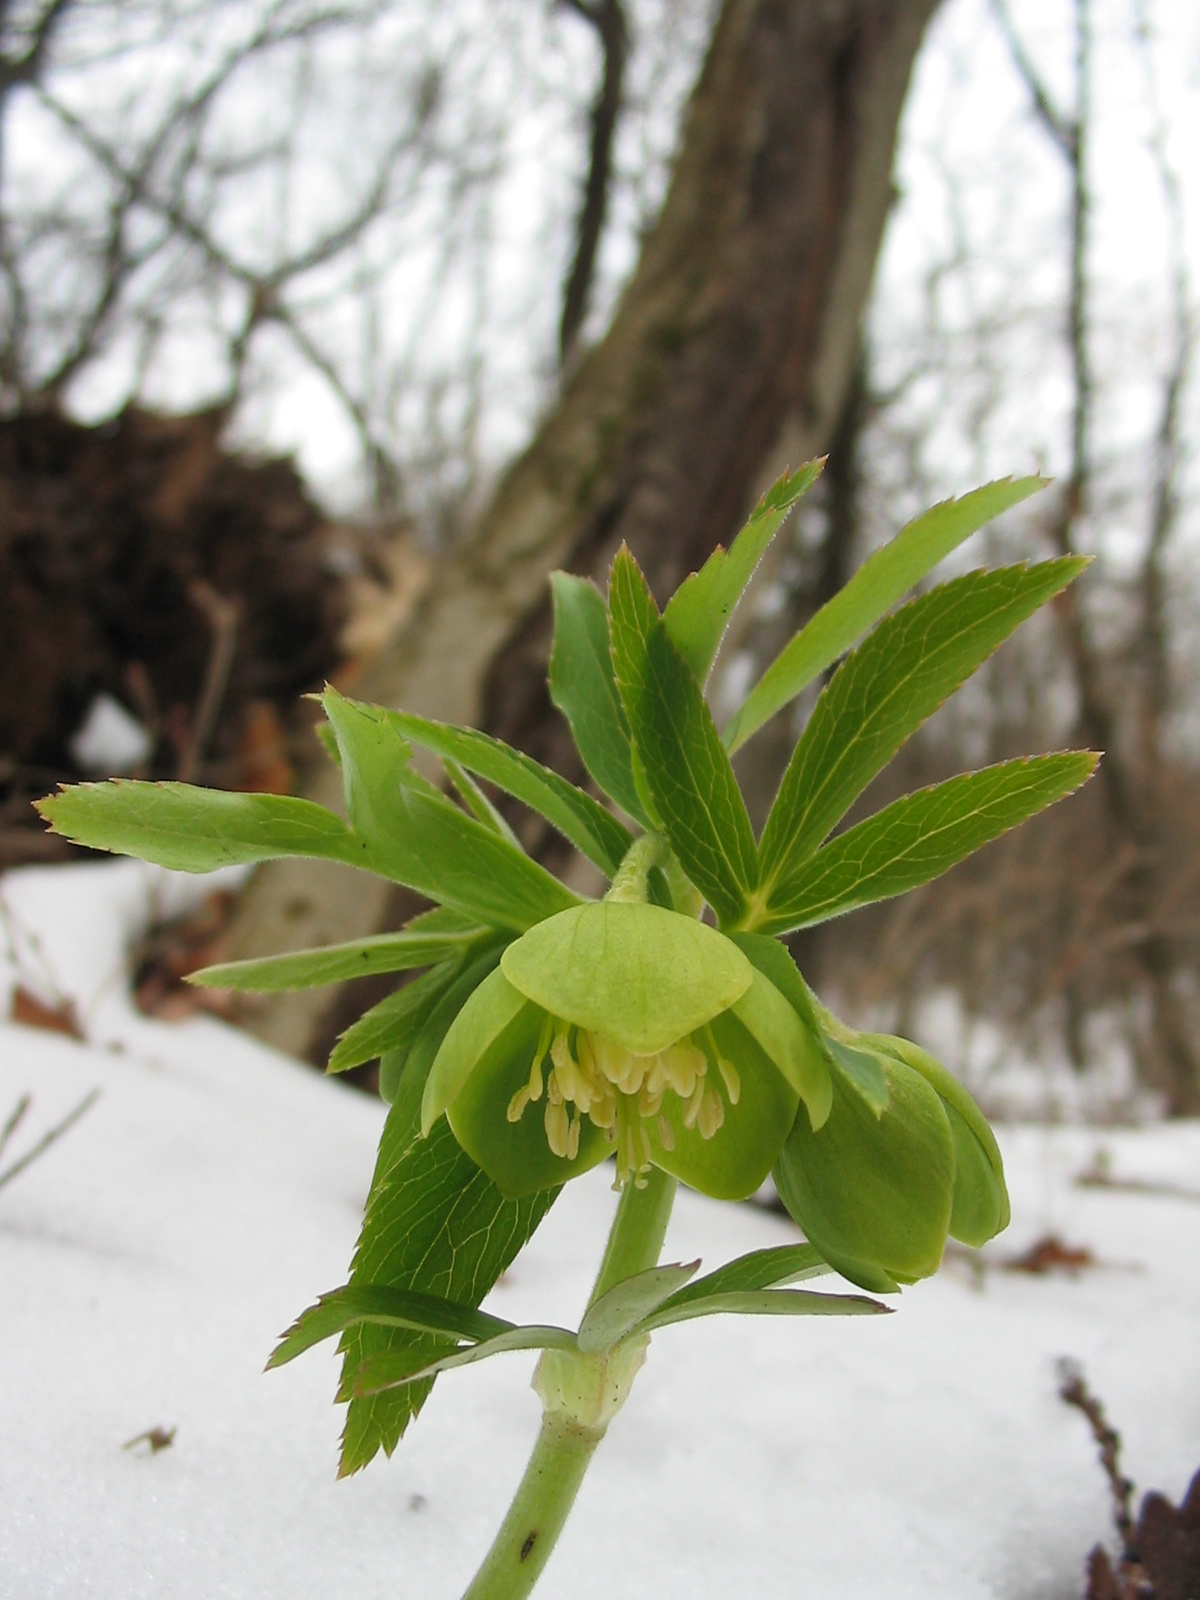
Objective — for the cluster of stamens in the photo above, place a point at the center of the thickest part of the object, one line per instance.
(592, 1076)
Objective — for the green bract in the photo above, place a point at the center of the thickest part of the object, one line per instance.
(666, 1024)
(629, 1029)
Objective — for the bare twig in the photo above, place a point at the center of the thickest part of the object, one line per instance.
(47, 1139)
(1075, 1392)
(14, 1120)
(223, 616)
(1061, 128)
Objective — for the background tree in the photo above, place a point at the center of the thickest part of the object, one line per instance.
(730, 352)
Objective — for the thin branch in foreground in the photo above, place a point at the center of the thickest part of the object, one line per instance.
(46, 1140)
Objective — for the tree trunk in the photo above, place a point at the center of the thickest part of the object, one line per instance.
(729, 356)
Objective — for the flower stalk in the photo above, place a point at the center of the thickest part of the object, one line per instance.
(581, 1394)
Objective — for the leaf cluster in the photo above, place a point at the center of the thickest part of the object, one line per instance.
(630, 680)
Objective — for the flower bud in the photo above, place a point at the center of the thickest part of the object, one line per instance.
(872, 1190)
(981, 1207)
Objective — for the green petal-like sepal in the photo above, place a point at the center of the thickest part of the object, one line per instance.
(733, 1162)
(483, 1018)
(981, 1208)
(789, 1044)
(874, 1193)
(639, 974)
(515, 1153)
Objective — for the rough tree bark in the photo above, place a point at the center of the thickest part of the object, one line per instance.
(729, 356)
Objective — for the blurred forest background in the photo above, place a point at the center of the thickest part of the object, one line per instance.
(329, 327)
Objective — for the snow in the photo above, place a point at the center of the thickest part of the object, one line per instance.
(110, 740)
(149, 1259)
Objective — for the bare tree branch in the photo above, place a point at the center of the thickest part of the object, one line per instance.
(1062, 129)
(608, 19)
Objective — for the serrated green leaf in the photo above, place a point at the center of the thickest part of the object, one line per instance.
(916, 839)
(408, 832)
(879, 583)
(394, 1023)
(618, 1312)
(584, 689)
(765, 1303)
(883, 692)
(385, 1307)
(392, 1370)
(435, 1224)
(476, 802)
(698, 613)
(685, 764)
(579, 818)
(194, 830)
(440, 919)
(335, 963)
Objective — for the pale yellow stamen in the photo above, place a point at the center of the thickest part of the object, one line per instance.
(691, 1108)
(711, 1115)
(557, 1128)
(620, 1092)
(729, 1075)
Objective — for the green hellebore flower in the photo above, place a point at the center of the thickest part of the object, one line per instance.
(981, 1208)
(878, 1191)
(624, 1028)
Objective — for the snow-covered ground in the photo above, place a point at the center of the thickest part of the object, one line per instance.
(149, 1258)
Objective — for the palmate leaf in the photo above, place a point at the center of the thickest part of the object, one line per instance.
(434, 1224)
(883, 578)
(408, 832)
(584, 688)
(916, 839)
(579, 818)
(336, 963)
(195, 830)
(698, 613)
(685, 764)
(883, 692)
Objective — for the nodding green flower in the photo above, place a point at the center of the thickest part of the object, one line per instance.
(879, 1188)
(623, 1028)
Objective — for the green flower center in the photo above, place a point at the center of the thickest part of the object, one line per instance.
(592, 1076)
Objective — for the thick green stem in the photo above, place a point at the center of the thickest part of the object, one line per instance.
(638, 1230)
(565, 1444)
(540, 1508)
